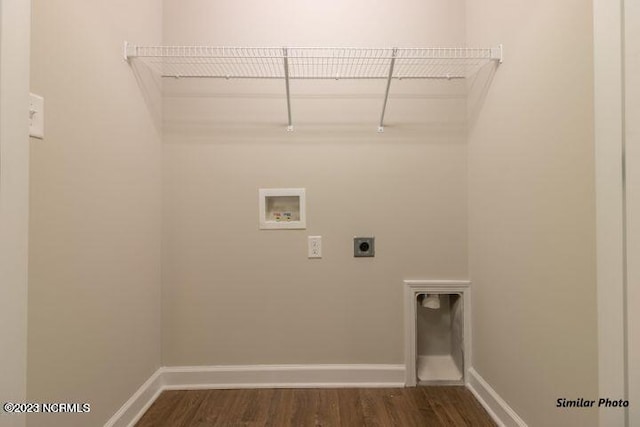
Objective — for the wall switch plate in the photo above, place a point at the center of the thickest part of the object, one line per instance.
(364, 247)
(314, 246)
(36, 116)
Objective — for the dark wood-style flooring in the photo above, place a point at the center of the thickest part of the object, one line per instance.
(406, 407)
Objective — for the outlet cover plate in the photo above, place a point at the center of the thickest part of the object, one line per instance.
(364, 247)
(314, 246)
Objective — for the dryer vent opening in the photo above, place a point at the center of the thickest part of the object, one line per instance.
(440, 339)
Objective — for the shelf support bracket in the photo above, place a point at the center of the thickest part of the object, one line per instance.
(386, 94)
(496, 54)
(128, 51)
(285, 52)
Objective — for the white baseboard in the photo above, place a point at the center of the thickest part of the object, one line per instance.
(282, 376)
(495, 405)
(253, 376)
(293, 376)
(137, 405)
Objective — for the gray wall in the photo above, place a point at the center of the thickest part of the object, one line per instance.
(632, 125)
(236, 295)
(14, 202)
(94, 285)
(531, 208)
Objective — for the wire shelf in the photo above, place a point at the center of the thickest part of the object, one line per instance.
(299, 63)
(312, 62)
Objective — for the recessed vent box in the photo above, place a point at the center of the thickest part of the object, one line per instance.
(437, 332)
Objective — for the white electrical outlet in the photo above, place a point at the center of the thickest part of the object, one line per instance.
(314, 246)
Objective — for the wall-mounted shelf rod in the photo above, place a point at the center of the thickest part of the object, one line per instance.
(302, 63)
(286, 79)
(386, 93)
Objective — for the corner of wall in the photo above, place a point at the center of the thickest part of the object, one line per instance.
(14, 200)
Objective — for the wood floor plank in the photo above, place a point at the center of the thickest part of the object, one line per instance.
(328, 411)
(256, 408)
(436, 398)
(186, 409)
(427, 415)
(369, 407)
(281, 408)
(412, 411)
(234, 404)
(350, 409)
(375, 411)
(305, 407)
(215, 405)
(161, 408)
(470, 409)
